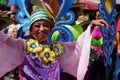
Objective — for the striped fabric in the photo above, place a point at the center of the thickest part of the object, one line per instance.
(39, 14)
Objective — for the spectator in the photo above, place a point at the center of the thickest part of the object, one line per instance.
(14, 27)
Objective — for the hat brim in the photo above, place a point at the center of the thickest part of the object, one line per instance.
(7, 21)
(79, 5)
(10, 12)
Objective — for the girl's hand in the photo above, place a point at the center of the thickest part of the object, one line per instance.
(101, 53)
(100, 22)
(118, 50)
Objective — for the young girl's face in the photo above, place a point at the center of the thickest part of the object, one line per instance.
(40, 30)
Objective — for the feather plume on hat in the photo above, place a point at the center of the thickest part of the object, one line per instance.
(52, 7)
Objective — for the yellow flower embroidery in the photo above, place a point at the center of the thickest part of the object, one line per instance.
(58, 49)
(47, 56)
(33, 46)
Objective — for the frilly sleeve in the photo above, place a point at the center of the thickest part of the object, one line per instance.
(11, 53)
(75, 57)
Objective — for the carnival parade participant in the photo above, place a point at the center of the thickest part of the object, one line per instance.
(97, 57)
(14, 26)
(40, 60)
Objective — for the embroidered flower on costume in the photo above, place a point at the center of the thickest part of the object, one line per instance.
(58, 49)
(47, 56)
(33, 46)
(46, 53)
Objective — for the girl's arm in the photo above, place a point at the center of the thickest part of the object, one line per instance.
(11, 53)
(75, 58)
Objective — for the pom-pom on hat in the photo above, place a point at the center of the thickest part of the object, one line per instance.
(40, 14)
(13, 8)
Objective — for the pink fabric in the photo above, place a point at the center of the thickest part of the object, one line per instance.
(11, 53)
(75, 58)
(89, 5)
(96, 34)
(13, 8)
(98, 48)
(85, 38)
(69, 57)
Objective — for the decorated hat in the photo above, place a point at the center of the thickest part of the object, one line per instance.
(40, 14)
(13, 9)
(4, 19)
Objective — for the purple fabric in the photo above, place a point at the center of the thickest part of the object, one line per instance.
(32, 69)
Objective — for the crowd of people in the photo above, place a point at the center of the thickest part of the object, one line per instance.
(36, 59)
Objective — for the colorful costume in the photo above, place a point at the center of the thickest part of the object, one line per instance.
(96, 69)
(97, 40)
(74, 59)
(42, 61)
